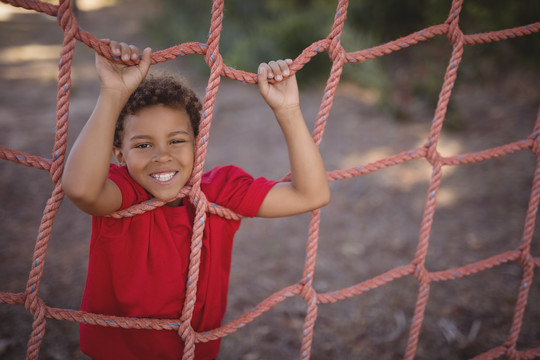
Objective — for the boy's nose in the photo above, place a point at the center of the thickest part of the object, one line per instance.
(161, 155)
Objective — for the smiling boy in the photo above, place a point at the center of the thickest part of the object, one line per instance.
(138, 265)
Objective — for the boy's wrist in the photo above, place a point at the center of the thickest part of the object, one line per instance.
(289, 111)
(110, 104)
(114, 93)
(114, 97)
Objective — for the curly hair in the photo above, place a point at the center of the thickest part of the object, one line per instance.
(162, 89)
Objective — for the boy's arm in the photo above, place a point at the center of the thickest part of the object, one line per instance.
(85, 179)
(308, 188)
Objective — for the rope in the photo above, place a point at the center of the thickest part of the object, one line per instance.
(339, 57)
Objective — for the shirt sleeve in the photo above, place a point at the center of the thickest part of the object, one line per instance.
(235, 189)
(132, 193)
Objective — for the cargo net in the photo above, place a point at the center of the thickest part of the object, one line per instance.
(339, 57)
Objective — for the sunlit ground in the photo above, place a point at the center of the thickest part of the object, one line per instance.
(37, 61)
(91, 5)
(29, 52)
(8, 11)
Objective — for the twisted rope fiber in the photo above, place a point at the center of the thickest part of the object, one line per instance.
(210, 50)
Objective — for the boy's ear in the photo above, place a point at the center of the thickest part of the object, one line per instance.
(118, 155)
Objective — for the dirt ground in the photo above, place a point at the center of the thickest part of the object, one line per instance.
(370, 226)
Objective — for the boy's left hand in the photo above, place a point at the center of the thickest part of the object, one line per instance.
(120, 77)
(283, 94)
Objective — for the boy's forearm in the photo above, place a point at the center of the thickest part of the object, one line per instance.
(307, 168)
(88, 162)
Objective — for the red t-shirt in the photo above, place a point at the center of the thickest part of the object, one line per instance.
(138, 267)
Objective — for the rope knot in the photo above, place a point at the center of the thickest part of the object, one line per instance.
(187, 334)
(421, 274)
(336, 52)
(64, 15)
(454, 34)
(185, 330)
(432, 154)
(525, 258)
(212, 56)
(214, 60)
(309, 294)
(35, 305)
(198, 198)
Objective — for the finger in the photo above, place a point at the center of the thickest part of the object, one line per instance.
(280, 68)
(126, 51)
(134, 53)
(289, 63)
(284, 68)
(146, 60)
(263, 76)
(275, 70)
(115, 48)
(264, 69)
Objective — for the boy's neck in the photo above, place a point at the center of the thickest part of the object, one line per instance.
(176, 203)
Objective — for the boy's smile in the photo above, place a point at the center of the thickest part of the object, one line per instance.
(158, 148)
(164, 178)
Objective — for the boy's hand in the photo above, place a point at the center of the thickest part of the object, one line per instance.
(123, 78)
(283, 94)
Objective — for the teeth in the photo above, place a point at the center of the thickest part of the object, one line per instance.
(163, 176)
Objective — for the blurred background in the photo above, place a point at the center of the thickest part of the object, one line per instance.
(382, 107)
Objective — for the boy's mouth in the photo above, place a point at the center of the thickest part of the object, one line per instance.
(164, 177)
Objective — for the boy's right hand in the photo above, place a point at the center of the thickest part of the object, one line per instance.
(119, 78)
(283, 94)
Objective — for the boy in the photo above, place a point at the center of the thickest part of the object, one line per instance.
(138, 265)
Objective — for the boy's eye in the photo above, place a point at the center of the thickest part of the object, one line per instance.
(178, 141)
(142, 146)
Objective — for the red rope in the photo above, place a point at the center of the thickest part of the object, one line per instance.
(339, 57)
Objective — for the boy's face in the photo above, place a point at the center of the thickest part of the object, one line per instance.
(158, 148)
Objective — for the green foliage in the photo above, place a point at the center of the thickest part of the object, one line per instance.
(256, 31)
(179, 22)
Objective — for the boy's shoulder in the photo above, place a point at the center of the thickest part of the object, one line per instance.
(234, 188)
(222, 178)
(223, 173)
